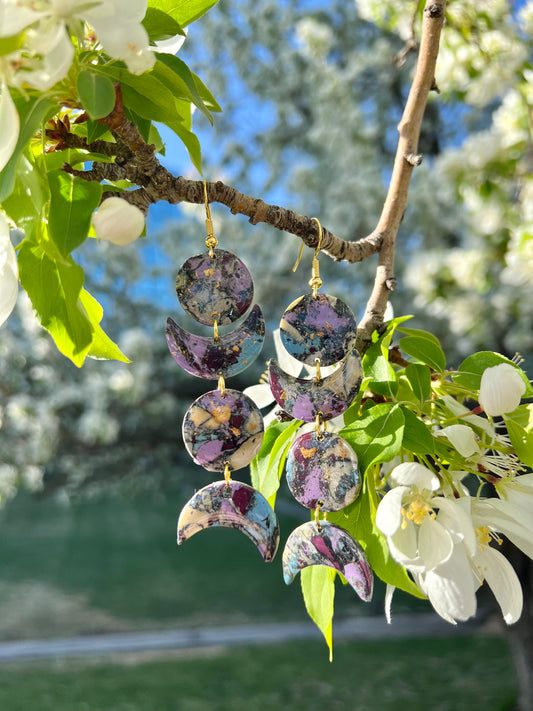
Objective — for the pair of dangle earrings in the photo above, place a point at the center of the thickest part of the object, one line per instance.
(223, 429)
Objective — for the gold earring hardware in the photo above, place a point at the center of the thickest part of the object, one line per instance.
(227, 475)
(320, 425)
(221, 385)
(318, 376)
(211, 241)
(317, 514)
(315, 282)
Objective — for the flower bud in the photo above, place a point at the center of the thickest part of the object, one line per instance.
(9, 280)
(501, 389)
(117, 221)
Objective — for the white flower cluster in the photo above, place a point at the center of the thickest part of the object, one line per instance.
(43, 34)
(442, 534)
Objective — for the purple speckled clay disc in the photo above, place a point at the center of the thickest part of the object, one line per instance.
(331, 396)
(322, 328)
(218, 288)
(323, 469)
(223, 428)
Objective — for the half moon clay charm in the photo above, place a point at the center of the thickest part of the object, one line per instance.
(231, 354)
(232, 505)
(218, 288)
(323, 468)
(328, 545)
(223, 428)
(323, 327)
(330, 396)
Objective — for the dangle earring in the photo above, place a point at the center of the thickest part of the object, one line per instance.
(223, 429)
(322, 469)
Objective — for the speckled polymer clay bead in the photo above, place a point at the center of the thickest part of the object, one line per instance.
(322, 328)
(223, 428)
(305, 399)
(218, 288)
(232, 505)
(323, 468)
(231, 354)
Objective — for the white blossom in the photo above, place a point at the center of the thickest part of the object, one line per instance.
(118, 221)
(9, 285)
(9, 124)
(501, 389)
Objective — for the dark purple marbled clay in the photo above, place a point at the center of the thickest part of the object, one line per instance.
(223, 428)
(323, 468)
(231, 354)
(232, 505)
(218, 288)
(331, 396)
(322, 328)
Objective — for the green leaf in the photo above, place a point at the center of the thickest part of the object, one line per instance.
(97, 93)
(359, 520)
(520, 428)
(177, 77)
(26, 203)
(32, 113)
(471, 369)
(377, 435)
(419, 378)
(318, 588)
(96, 130)
(416, 436)
(377, 367)
(267, 467)
(102, 347)
(423, 346)
(72, 203)
(54, 289)
(160, 25)
(183, 11)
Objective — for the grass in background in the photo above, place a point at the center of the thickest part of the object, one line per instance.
(106, 565)
(453, 674)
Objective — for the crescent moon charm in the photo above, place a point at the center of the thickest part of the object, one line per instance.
(330, 396)
(321, 327)
(232, 505)
(220, 428)
(332, 546)
(323, 467)
(231, 354)
(214, 288)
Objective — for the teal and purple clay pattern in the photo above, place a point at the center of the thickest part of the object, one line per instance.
(323, 327)
(323, 468)
(220, 428)
(206, 358)
(305, 399)
(218, 288)
(232, 505)
(332, 546)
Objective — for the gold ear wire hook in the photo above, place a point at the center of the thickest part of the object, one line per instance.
(319, 505)
(227, 474)
(318, 247)
(211, 241)
(316, 282)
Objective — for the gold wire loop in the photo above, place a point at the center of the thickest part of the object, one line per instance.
(221, 385)
(211, 241)
(318, 376)
(316, 282)
(227, 474)
(319, 505)
(320, 425)
(318, 246)
(215, 331)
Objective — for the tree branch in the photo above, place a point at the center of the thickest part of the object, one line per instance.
(404, 163)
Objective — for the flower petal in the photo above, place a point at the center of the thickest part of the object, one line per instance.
(9, 285)
(503, 581)
(414, 474)
(260, 394)
(462, 438)
(118, 221)
(455, 517)
(127, 41)
(389, 511)
(9, 126)
(451, 587)
(435, 544)
(389, 592)
(502, 517)
(14, 17)
(403, 547)
(501, 389)
(57, 52)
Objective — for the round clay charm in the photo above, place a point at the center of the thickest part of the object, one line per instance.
(218, 288)
(322, 328)
(223, 428)
(323, 468)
